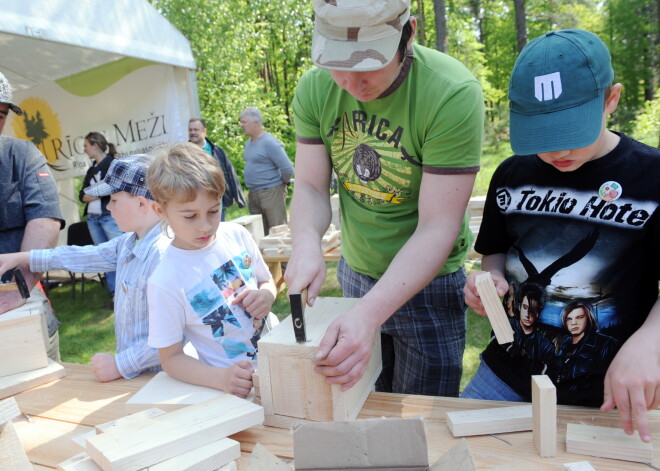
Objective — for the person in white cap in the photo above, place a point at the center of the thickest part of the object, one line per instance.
(576, 212)
(401, 125)
(30, 217)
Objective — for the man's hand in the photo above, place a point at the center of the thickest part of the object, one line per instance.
(237, 379)
(257, 302)
(10, 300)
(306, 269)
(104, 367)
(344, 352)
(472, 298)
(632, 383)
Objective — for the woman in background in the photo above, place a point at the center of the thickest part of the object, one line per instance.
(102, 227)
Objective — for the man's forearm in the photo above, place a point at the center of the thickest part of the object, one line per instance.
(310, 215)
(40, 233)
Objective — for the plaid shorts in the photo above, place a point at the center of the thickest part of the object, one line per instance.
(423, 342)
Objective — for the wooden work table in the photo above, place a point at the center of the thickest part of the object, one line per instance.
(74, 404)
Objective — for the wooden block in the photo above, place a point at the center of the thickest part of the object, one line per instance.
(13, 458)
(253, 223)
(8, 410)
(281, 229)
(489, 421)
(544, 412)
(22, 345)
(19, 382)
(262, 459)
(377, 444)
(494, 309)
(129, 419)
(82, 438)
(211, 456)
(607, 442)
(168, 394)
(579, 466)
(458, 458)
(138, 445)
(289, 386)
(79, 462)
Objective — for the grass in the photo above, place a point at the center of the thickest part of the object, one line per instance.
(87, 322)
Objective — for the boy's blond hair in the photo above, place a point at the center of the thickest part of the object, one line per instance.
(181, 171)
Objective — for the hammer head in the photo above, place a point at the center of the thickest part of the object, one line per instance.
(21, 284)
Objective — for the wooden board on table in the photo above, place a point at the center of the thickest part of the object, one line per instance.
(489, 421)
(19, 382)
(290, 389)
(129, 419)
(544, 406)
(168, 394)
(138, 445)
(607, 442)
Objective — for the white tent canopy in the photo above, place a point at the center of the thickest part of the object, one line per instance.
(45, 40)
(112, 66)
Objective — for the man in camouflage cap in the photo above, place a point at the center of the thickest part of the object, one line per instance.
(401, 125)
(31, 217)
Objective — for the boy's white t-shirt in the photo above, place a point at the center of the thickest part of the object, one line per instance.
(190, 295)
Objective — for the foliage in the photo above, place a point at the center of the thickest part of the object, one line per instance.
(646, 126)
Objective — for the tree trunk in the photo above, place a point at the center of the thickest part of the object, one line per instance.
(421, 38)
(521, 24)
(440, 25)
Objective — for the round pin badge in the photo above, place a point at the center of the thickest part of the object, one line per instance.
(610, 191)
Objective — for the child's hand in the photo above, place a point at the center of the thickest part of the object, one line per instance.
(257, 302)
(237, 379)
(12, 260)
(472, 298)
(104, 367)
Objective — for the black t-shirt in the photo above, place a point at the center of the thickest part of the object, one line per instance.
(590, 236)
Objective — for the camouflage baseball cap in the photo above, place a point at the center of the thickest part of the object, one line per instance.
(5, 95)
(357, 35)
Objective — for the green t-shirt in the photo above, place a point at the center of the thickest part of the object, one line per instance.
(431, 120)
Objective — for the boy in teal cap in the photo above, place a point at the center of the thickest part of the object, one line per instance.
(573, 222)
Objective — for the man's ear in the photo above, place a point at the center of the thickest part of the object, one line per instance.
(413, 23)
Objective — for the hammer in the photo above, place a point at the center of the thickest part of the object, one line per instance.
(19, 283)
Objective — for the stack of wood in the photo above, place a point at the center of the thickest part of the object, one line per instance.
(278, 241)
(24, 362)
(192, 437)
(254, 225)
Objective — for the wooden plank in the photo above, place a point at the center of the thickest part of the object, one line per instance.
(291, 388)
(456, 459)
(129, 419)
(168, 394)
(607, 442)
(579, 466)
(12, 456)
(138, 445)
(494, 309)
(19, 382)
(8, 410)
(22, 345)
(210, 456)
(544, 405)
(262, 459)
(79, 462)
(490, 421)
(49, 442)
(214, 455)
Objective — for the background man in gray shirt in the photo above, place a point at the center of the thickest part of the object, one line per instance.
(267, 171)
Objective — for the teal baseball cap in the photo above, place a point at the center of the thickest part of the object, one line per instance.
(557, 92)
